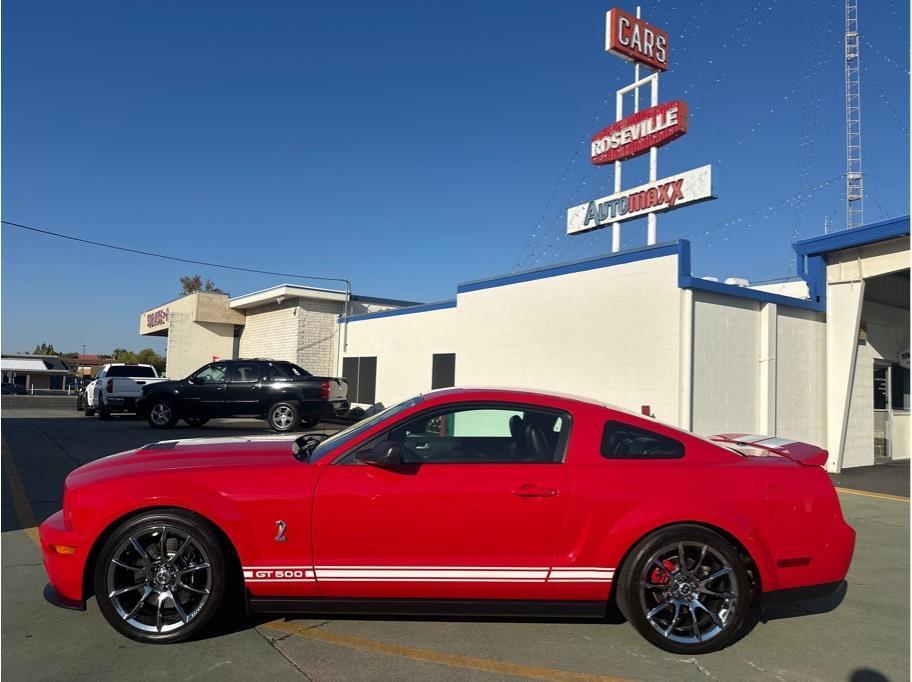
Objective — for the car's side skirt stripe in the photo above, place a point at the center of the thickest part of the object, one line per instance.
(448, 574)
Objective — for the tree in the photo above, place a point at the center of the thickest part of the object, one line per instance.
(44, 349)
(146, 356)
(190, 284)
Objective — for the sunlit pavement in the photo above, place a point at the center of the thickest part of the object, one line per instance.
(864, 638)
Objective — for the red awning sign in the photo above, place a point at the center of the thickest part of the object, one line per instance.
(636, 41)
(635, 134)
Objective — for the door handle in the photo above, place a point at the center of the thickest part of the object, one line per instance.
(422, 446)
(534, 491)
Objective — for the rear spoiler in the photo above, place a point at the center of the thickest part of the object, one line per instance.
(802, 453)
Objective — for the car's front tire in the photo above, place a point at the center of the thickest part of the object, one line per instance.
(161, 576)
(686, 589)
(283, 417)
(161, 414)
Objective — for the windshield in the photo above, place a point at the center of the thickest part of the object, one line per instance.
(347, 435)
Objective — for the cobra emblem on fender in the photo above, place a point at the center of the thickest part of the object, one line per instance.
(280, 535)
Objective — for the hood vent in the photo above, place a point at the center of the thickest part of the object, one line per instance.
(161, 445)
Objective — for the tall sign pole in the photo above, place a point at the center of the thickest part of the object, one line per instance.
(632, 39)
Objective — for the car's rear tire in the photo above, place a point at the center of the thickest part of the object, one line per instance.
(196, 421)
(103, 412)
(283, 416)
(161, 414)
(699, 609)
(310, 421)
(161, 576)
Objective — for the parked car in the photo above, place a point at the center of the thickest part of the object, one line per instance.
(461, 500)
(116, 388)
(282, 393)
(13, 389)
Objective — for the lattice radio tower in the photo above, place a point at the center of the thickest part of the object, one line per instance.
(854, 180)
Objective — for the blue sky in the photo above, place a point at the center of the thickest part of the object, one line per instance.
(407, 146)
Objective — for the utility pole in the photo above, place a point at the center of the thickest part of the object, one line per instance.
(854, 179)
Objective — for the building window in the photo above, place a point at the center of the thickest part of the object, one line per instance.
(361, 374)
(443, 370)
(623, 441)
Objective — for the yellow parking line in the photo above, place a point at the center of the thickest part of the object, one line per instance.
(865, 493)
(21, 505)
(437, 657)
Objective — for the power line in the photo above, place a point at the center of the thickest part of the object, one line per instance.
(173, 258)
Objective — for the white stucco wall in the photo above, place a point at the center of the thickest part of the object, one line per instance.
(726, 364)
(193, 344)
(404, 346)
(801, 376)
(610, 333)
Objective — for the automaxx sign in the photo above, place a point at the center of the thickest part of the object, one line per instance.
(653, 197)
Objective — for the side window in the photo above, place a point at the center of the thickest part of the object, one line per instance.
(244, 372)
(443, 370)
(484, 434)
(623, 441)
(211, 374)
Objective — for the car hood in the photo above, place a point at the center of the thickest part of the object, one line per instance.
(191, 453)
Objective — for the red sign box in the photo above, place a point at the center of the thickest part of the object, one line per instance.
(635, 40)
(638, 132)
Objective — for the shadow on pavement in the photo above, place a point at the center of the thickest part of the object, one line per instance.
(891, 478)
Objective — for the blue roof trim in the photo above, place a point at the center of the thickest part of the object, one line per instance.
(687, 281)
(423, 308)
(603, 261)
(811, 252)
(859, 236)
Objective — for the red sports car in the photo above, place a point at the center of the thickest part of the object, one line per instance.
(458, 501)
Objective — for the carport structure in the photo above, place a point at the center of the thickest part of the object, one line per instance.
(861, 276)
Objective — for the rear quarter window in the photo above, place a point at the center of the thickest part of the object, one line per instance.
(623, 441)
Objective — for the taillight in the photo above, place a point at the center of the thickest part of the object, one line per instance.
(110, 386)
(324, 390)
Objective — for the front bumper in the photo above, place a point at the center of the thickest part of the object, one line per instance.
(66, 567)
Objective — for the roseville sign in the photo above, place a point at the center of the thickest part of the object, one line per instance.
(635, 134)
(661, 195)
(636, 41)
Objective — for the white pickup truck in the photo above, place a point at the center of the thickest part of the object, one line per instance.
(116, 388)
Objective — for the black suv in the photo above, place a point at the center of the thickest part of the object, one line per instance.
(284, 394)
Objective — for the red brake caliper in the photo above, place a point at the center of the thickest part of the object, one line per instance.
(660, 577)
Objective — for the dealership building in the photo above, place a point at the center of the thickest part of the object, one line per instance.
(822, 358)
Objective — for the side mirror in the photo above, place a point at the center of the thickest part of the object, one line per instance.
(193, 380)
(386, 453)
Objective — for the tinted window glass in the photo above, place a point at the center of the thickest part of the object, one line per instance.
(345, 436)
(443, 370)
(244, 372)
(623, 441)
(361, 374)
(484, 434)
(213, 374)
(130, 371)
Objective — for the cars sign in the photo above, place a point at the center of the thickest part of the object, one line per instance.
(636, 41)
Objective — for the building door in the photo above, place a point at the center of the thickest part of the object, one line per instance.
(883, 392)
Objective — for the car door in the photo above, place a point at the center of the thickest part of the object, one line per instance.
(204, 392)
(244, 389)
(474, 511)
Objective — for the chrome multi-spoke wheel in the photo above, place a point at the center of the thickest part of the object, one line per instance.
(284, 416)
(159, 577)
(162, 414)
(686, 589)
(159, 580)
(688, 592)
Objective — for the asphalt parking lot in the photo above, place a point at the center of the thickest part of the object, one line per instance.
(865, 637)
